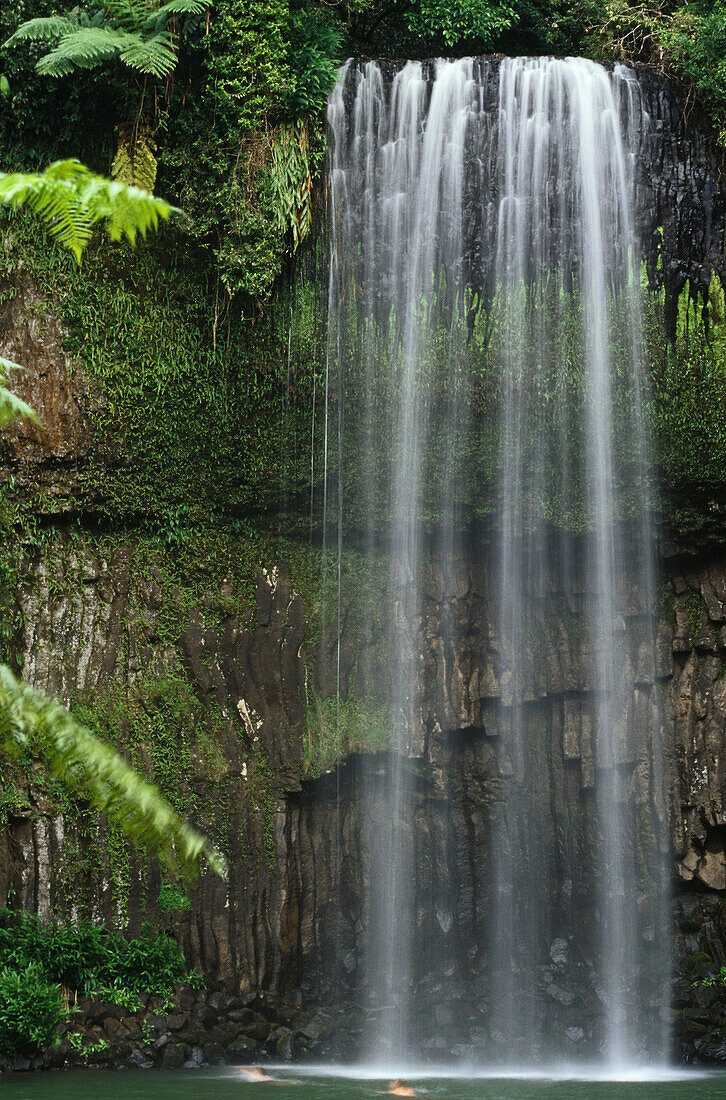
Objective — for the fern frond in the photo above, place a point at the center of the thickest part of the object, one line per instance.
(11, 407)
(70, 200)
(173, 8)
(135, 161)
(42, 29)
(84, 49)
(131, 15)
(128, 211)
(29, 720)
(154, 56)
(57, 203)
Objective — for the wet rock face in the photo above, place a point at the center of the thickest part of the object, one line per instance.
(54, 454)
(297, 913)
(680, 196)
(230, 748)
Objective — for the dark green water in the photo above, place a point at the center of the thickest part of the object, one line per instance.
(223, 1084)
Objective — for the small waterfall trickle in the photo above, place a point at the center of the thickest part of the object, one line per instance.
(484, 289)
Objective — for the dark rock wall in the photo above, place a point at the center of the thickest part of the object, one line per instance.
(89, 622)
(680, 205)
(301, 850)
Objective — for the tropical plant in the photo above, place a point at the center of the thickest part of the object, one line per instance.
(30, 1010)
(71, 201)
(684, 40)
(87, 958)
(292, 179)
(143, 36)
(313, 51)
(482, 21)
(11, 407)
(139, 33)
(29, 721)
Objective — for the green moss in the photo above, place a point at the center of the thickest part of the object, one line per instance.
(196, 419)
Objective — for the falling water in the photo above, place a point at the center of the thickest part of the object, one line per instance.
(483, 218)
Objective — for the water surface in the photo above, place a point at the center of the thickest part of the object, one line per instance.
(221, 1084)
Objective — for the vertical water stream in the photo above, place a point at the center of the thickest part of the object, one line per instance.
(483, 224)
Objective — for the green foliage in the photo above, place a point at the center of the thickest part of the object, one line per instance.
(31, 1010)
(241, 153)
(695, 41)
(194, 401)
(138, 33)
(335, 728)
(89, 958)
(80, 1044)
(716, 979)
(30, 721)
(291, 180)
(11, 407)
(685, 39)
(135, 162)
(687, 379)
(455, 21)
(172, 898)
(314, 43)
(71, 202)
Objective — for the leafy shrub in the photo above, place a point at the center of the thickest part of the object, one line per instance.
(88, 959)
(30, 1010)
(455, 21)
(313, 51)
(171, 897)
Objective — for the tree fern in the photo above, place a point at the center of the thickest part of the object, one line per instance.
(143, 36)
(136, 32)
(29, 721)
(174, 8)
(154, 56)
(83, 48)
(43, 29)
(71, 201)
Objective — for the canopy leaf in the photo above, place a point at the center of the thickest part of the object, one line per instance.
(134, 32)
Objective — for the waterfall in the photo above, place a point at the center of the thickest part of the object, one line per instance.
(484, 342)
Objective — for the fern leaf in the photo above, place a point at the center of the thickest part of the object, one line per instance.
(11, 407)
(135, 161)
(70, 200)
(42, 29)
(173, 8)
(131, 15)
(85, 48)
(154, 56)
(90, 767)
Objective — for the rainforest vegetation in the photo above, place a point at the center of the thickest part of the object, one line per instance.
(218, 109)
